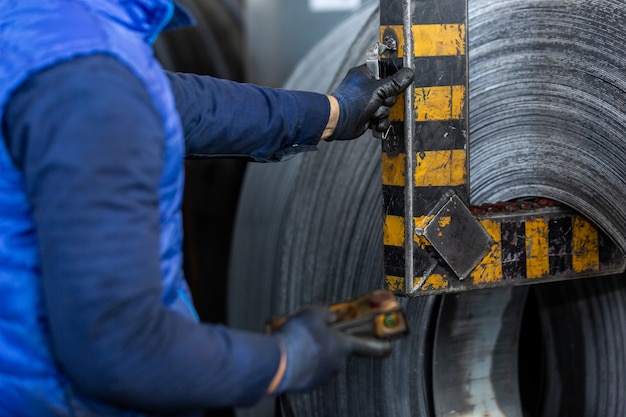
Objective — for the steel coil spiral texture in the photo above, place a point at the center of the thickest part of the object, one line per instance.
(547, 119)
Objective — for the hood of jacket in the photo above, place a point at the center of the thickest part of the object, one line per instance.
(146, 17)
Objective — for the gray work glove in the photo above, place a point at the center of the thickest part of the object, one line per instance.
(364, 102)
(315, 351)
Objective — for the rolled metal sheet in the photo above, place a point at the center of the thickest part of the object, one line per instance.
(548, 105)
(547, 91)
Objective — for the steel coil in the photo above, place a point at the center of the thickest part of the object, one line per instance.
(547, 118)
(548, 105)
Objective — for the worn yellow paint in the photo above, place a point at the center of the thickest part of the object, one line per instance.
(393, 169)
(489, 269)
(537, 260)
(444, 221)
(585, 246)
(431, 40)
(393, 231)
(422, 241)
(439, 40)
(434, 104)
(394, 283)
(441, 168)
(435, 282)
(396, 112)
(440, 103)
(422, 221)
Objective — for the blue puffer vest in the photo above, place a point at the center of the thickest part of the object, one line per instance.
(35, 34)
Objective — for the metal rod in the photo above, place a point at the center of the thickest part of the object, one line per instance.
(409, 122)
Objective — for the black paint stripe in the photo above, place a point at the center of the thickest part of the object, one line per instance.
(513, 243)
(560, 245)
(441, 135)
(423, 262)
(440, 71)
(394, 261)
(425, 12)
(393, 200)
(604, 248)
(432, 71)
(425, 199)
(433, 136)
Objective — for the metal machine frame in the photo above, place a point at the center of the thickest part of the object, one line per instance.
(434, 241)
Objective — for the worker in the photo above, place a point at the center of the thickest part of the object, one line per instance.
(95, 315)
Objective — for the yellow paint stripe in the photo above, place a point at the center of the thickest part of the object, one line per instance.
(441, 168)
(437, 103)
(431, 40)
(537, 260)
(434, 168)
(394, 283)
(396, 112)
(440, 103)
(439, 40)
(489, 269)
(393, 169)
(435, 282)
(393, 231)
(585, 246)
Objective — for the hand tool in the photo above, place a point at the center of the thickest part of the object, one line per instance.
(377, 314)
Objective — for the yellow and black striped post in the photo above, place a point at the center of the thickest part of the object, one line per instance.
(429, 157)
(430, 231)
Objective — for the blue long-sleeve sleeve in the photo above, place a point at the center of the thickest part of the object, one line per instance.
(226, 118)
(90, 145)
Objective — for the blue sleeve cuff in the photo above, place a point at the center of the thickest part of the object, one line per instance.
(258, 357)
(313, 111)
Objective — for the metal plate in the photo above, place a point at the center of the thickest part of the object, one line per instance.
(457, 237)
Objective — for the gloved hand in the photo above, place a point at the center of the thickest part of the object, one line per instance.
(364, 101)
(315, 351)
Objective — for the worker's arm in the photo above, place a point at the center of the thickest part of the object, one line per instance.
(268, 123)
(90, 145)
(225, 118)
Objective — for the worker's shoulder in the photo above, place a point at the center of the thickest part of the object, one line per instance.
(52, 24)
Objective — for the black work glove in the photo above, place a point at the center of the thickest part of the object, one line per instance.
(315, 351)
(364, 101)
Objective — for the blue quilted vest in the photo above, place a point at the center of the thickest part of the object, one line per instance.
(35, 34)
